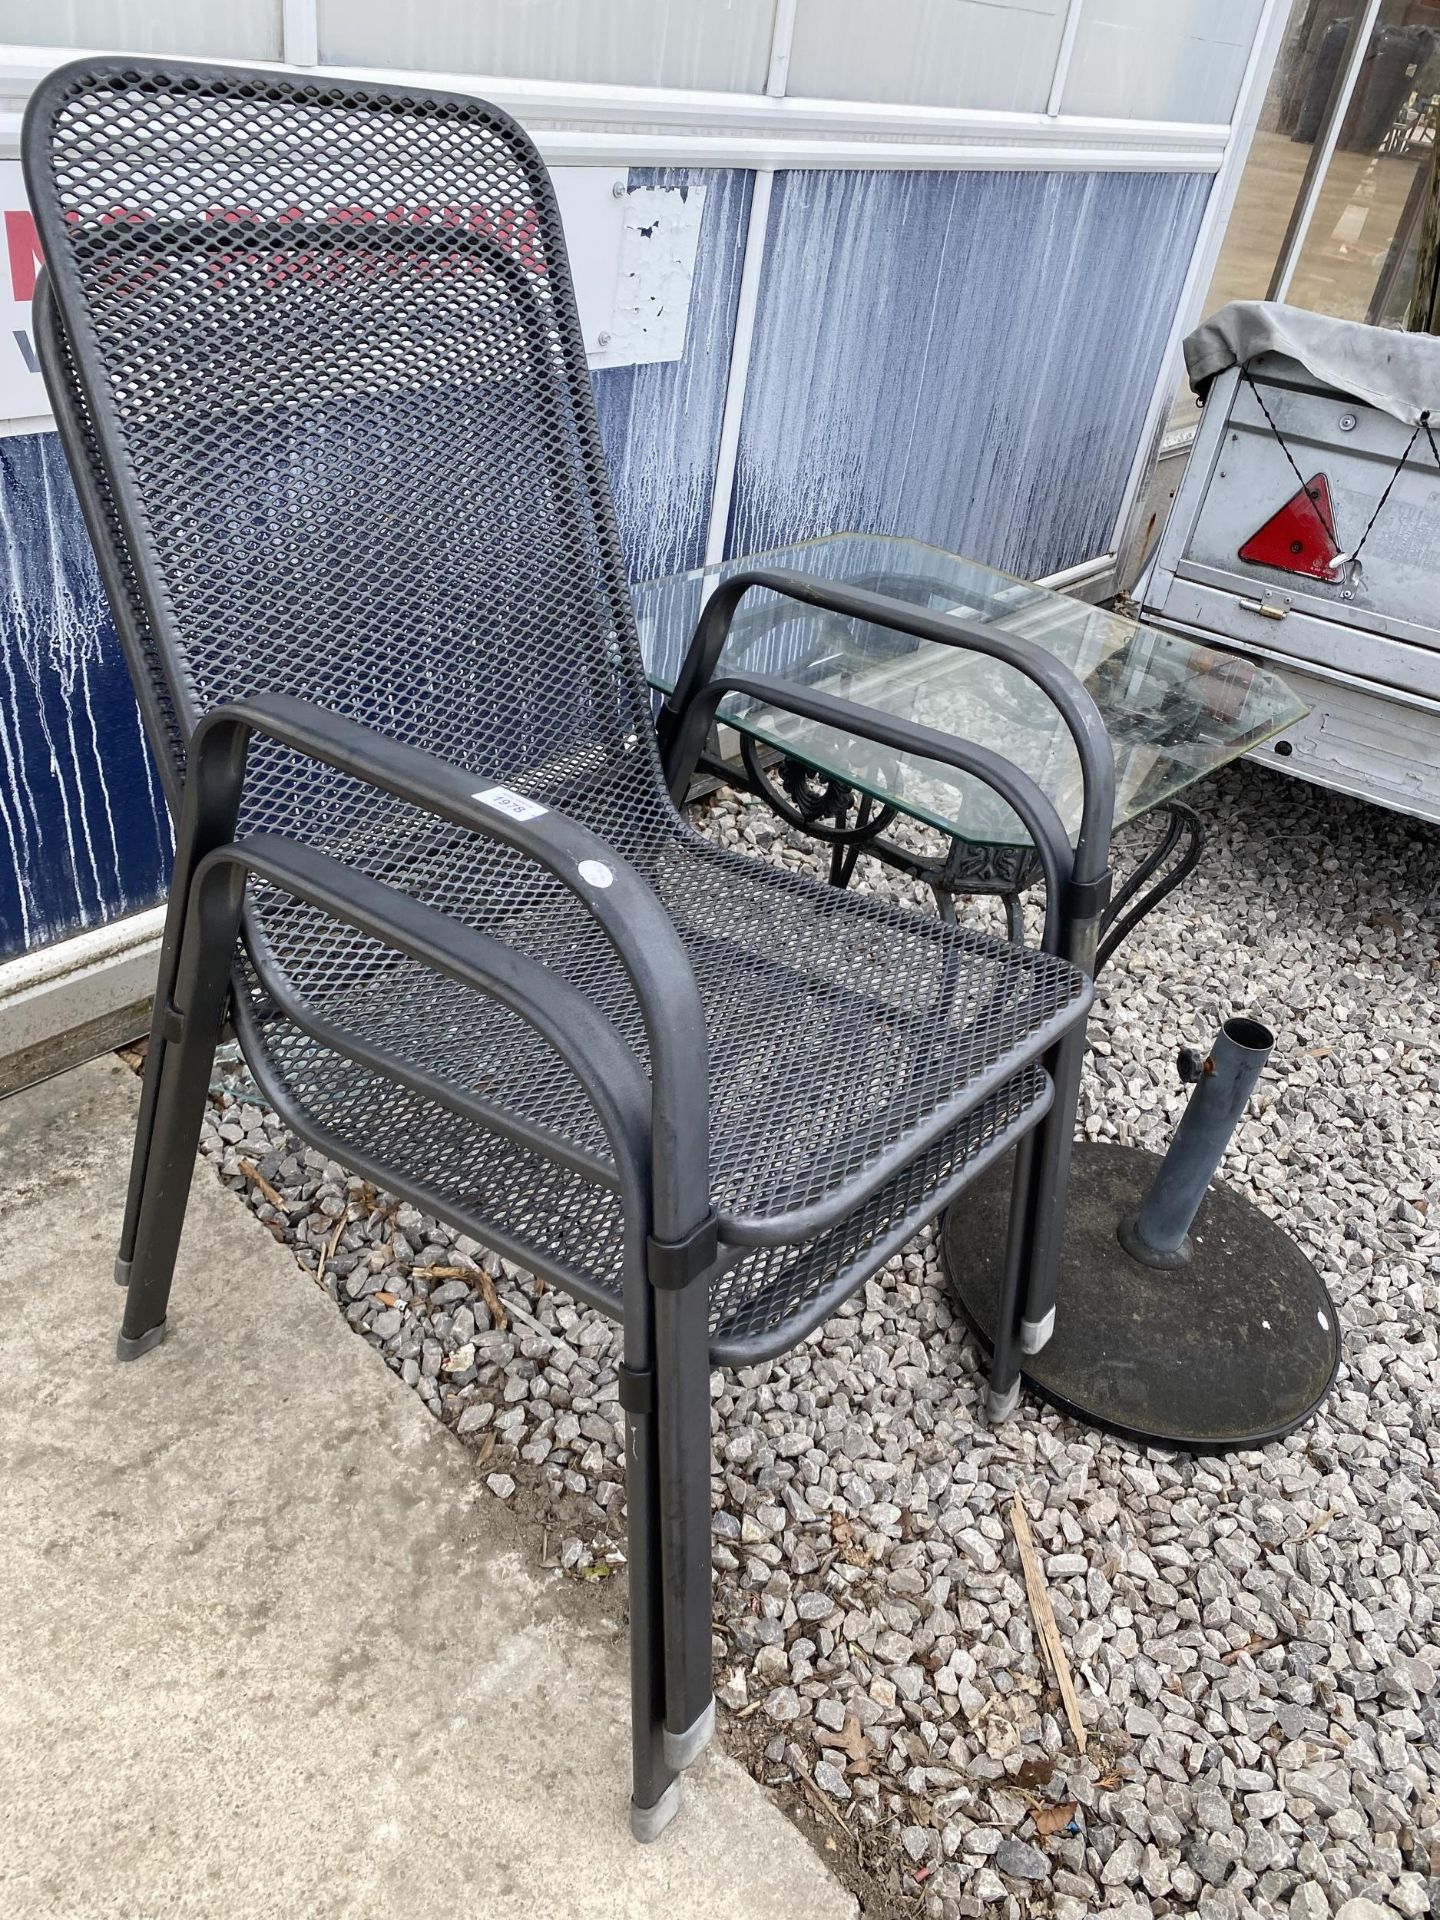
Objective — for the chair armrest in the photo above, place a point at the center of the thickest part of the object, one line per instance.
(1062, 687)
(611, 1075)
(623, 903)
(1033, 807)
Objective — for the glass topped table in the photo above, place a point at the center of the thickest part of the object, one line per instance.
(1148, 1351)
(1175, 710)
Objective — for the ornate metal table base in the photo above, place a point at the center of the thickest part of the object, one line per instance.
(1233, 1350)
(851, 824)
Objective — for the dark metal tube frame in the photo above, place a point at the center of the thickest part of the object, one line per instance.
(627, 909)
(1042, 1161)
(1136, 900)
(671, 1237)
(1065, 691)
(1024, 797)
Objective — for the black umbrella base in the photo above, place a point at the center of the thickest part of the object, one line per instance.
(1231, 1351)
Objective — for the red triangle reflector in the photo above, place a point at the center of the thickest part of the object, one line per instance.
(1300, 538)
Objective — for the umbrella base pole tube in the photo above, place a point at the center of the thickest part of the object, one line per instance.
(1159, 1234)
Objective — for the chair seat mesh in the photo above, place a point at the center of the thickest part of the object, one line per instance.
(571, 1228)
(838, 1026)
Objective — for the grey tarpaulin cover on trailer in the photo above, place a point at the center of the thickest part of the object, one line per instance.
(1397, 372)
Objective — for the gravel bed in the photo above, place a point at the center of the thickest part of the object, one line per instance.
(1255, 1640)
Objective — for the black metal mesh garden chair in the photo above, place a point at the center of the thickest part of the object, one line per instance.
(314, 354)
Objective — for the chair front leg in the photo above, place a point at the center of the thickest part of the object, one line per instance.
(655, 1789)
(1004, 1365)
(682, 1391)
(1052, 1177)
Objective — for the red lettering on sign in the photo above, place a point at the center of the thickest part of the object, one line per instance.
(22, 244)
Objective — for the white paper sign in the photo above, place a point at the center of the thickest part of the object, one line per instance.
(632, 258)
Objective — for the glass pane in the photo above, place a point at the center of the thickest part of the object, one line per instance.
(942, 53)
(1357, 261)
(724, 44)
(1289, 119)
(224, 29)
(1175, 710)
(1184, 60)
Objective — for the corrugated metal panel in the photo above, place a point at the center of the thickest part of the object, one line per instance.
(965, 357)
(83, 832)
(661, 423)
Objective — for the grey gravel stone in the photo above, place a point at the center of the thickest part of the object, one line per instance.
(1308, 1902)
(830, 1780)
(1121, 1869)
(1021, 1861)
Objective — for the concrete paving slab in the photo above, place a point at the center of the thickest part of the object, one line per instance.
(268, 1648)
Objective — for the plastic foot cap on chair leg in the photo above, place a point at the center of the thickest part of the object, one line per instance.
(122, 1272)
(1035, 1334)
(1000, 1406)
(132, 1349)
(683, 1749)
(648, 1823)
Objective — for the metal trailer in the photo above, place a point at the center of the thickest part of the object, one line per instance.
(1287, 477)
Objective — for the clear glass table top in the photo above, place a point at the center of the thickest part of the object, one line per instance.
(1175, 709)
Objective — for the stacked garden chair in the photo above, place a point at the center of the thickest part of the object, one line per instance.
(314, 354)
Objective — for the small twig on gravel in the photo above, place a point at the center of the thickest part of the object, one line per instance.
(495, 1304)
(535, 1326)
(256, 1178)
(1321, 1521)
(1251, 1647)
(813, 1793)
(1045, 1619)
(340, 1226)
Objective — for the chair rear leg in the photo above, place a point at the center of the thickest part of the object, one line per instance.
(190, 1025)
(682, 1391)
(655, 1789)
(207, 820)
(144, 1133)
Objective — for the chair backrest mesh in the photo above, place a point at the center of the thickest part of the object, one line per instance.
(326, 344)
